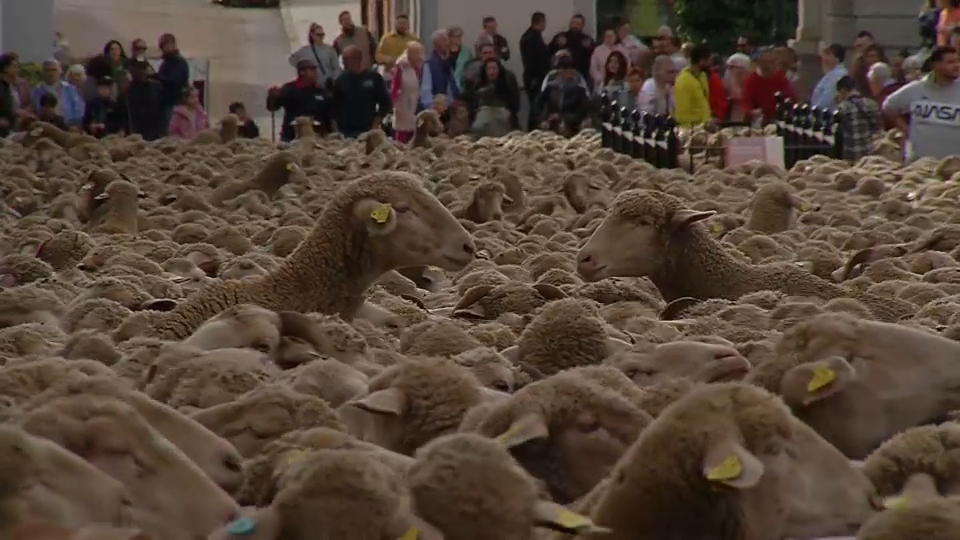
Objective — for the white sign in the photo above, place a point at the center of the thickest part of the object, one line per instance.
(740, 150)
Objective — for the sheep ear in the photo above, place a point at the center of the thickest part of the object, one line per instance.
(812, 381)
(917, 486)
(729, 463)
(684, 218)
(507, 199)
(557, 518)
(421, 121)
(672, 310)
(102, 196)
(391, 401)
(512, 354)
(491, 395)
(528, 427)
(469, 306)
(615, 345)
(550, 292)
(159, 304)
(380, 218)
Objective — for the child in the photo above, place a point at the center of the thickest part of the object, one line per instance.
(459, 122)
(492, 119)
(103, 116)
(48, 111)
(248, 128)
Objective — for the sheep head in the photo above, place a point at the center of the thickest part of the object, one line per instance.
(632, 240)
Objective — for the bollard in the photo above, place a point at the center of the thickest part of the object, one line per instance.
(606, 118)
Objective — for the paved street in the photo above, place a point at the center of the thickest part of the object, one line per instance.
(247, 48)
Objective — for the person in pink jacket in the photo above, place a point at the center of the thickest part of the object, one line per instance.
(188, 118)
(405, 91)
(598, 62)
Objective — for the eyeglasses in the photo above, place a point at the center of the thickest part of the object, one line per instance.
(140, 48)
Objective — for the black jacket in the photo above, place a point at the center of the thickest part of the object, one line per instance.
(298, 100)
(570, 101)
(535, 57)
(249, 130)
(142, 106)
(104, 111)
(503, 47)
(358, 98)
(7, 110)
(174, 77)
(579, 44)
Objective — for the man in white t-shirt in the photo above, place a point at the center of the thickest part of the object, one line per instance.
(656, 94)
(933, 105)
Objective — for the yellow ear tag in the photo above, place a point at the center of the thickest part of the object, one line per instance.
(728, 469)
(805, 207)
(411, 534)
(504, 437)
(716, 227)
(381, 213)
(893, 503)
(294, 456)
(822, 376)
(291, 166)
(572, 520)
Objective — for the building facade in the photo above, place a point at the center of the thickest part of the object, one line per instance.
(27, 27)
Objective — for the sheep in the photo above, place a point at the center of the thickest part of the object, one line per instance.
(836, 362)
(170, 495)
(775, 207)
(24, 380)
(67, 140)
(567, 430)
(683, 260)
(227, 132)
(469, 487)
(119, 210)
(428, 124)
(411, 403)
(919, 518)
(42, 480)
(328, 379)
(922, 453)
(263, 414)
(564, 334)
(735, 454)
(485, 203)
(702, 362)
(489, 302)
(373, 225)
(217, 458)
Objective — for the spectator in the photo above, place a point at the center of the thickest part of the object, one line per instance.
(719, 101)
(98, 67)
(555, 73)
(493, 118)
(872, 54)
(438, 76)
(629, 97)
(863, 40)
(174, 77)
(304, 96)
(598, 62)
(656, 94)
(882, 83)
(633, 47)
(405, 91)
(77, 76)
(565, 100)
(858, 70)
(931, 102)
(660, 40)
(138, 50)
(948, 21)
(102, 115)
(143, 103)
(614, 79)
(788, 62)
(359, 37)
(61, 48)
(48, 111)
(745, 46)
(69, 104)
(896, 66)
(459, 122)
(577, 42)
(912, 69)
(691, 93)
(328, 65)
(536, 60)
(674, 48)
(9, 98)
(761, 87)
(928, 20)
(393, 44)
(360, 95)
(500, 42)
(859, 120)
(471, 71)
(22, 90)
(188, 118)
(505, 91)
(459, 56)
(248, 128)
(113, 51)
(831, 61)
(738, 67)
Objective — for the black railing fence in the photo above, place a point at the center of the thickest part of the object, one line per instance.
(655, 138)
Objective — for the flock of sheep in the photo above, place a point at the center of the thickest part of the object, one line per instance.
(520, 338)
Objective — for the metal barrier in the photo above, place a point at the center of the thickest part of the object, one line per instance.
(807, 131)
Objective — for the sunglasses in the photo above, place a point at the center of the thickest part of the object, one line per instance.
(140, 48)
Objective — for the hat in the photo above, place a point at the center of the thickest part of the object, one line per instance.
(305, 63)
(105, 81)
(739, 60)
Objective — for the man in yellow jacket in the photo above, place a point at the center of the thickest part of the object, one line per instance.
(393, 44)
(691, 92)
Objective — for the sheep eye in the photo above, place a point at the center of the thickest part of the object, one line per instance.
(262, 347)
(502, 386)
(401, 208)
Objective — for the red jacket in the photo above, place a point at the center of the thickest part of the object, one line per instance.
(759, 92)
(719, 105)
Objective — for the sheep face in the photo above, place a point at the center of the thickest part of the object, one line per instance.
(409, 227)
(700, 362)
(239, 327)
(632, 240)
(73, 492)
(171, 495)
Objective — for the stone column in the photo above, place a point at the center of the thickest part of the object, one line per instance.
(809, 39)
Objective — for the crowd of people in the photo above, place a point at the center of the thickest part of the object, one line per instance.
(114, 92)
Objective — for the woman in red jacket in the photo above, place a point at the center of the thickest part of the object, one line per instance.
(719, 102)
(761, 86)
